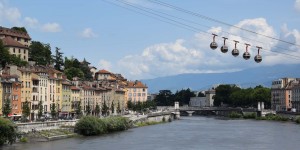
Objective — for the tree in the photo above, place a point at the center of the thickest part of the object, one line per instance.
(25, 110)
(53, 110)
(40, 53)
(4, 55)
(21, 29)
(97, 109)
(129, 105)
(88, 109)
(8, 130)
(262, 94)
(119, 108)
(6, 108)
(73, 72)
(16, 60)
(58, 59)
(86, 70)
(104, 108)
(112, 107)
(200, 94)
(40, 112)
(78, 109)
(223, 94)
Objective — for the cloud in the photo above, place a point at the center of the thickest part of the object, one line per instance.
(297, 5)
(104, 64)
(12, 16)
(51, 27)
(195, 56)
(31, 22)
(88, 33)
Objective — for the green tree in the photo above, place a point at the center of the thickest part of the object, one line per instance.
(16, 60)
(223, 94)
(58, 59)
(6, 110)
(104, 108)
(97, 110)
(40, 111)
(4, 55)
(112, 107)
(8, 132)
(25, 110)
(262, 94)
(88, 109)
(164, 98)
(40, 53)
(119, 108)
(200, 94)
(86, 70)
(53, 110)
(21, 29)
(73, 72)
(129, 105)
(78, 109)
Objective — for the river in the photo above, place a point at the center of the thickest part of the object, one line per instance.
(189, 133)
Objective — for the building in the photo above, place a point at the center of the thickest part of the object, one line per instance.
(281, 94)
(17, 42)
(66, 105)
(296, 95)
(136, 92)
(198, 102)
(209, 94)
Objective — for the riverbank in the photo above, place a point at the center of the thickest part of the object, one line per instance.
(268, 117)
(47, 135)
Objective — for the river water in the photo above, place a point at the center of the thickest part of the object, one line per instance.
(189, 133)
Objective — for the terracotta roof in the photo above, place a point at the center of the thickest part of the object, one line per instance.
(10, 32)
(135, 84)
(103, 72)
(75, 88)
(34, 79)
(8, 41)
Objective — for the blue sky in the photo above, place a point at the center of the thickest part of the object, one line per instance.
(141, 47)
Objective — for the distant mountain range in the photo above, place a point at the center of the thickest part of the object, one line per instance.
(202, 81)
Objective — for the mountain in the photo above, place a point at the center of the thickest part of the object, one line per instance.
(245, 78)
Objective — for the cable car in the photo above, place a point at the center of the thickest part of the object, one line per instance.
(213, 44)
(246, 55)
(235, 52)
(224, 48)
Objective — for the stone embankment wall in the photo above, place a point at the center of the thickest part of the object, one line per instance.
(38, 126)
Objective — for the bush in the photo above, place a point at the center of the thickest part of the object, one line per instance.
(235, 115)
(116, 123)
(24, 140)
(298, 120)
(8, 132)
(90, 125)
(250, 116)
(163, 119)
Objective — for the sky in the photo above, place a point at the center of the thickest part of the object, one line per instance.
(144, 39)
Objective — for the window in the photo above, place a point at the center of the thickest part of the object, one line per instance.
(19, 50)
(14, 50)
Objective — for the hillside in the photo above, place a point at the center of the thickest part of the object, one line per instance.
(246, 78)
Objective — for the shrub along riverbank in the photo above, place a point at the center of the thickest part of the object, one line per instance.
(90, 125)
(271, 117)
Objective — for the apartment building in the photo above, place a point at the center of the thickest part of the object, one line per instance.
(17, 42)
(281, 94)
(137, 91)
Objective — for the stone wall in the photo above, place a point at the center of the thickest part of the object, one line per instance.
(38, 126)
